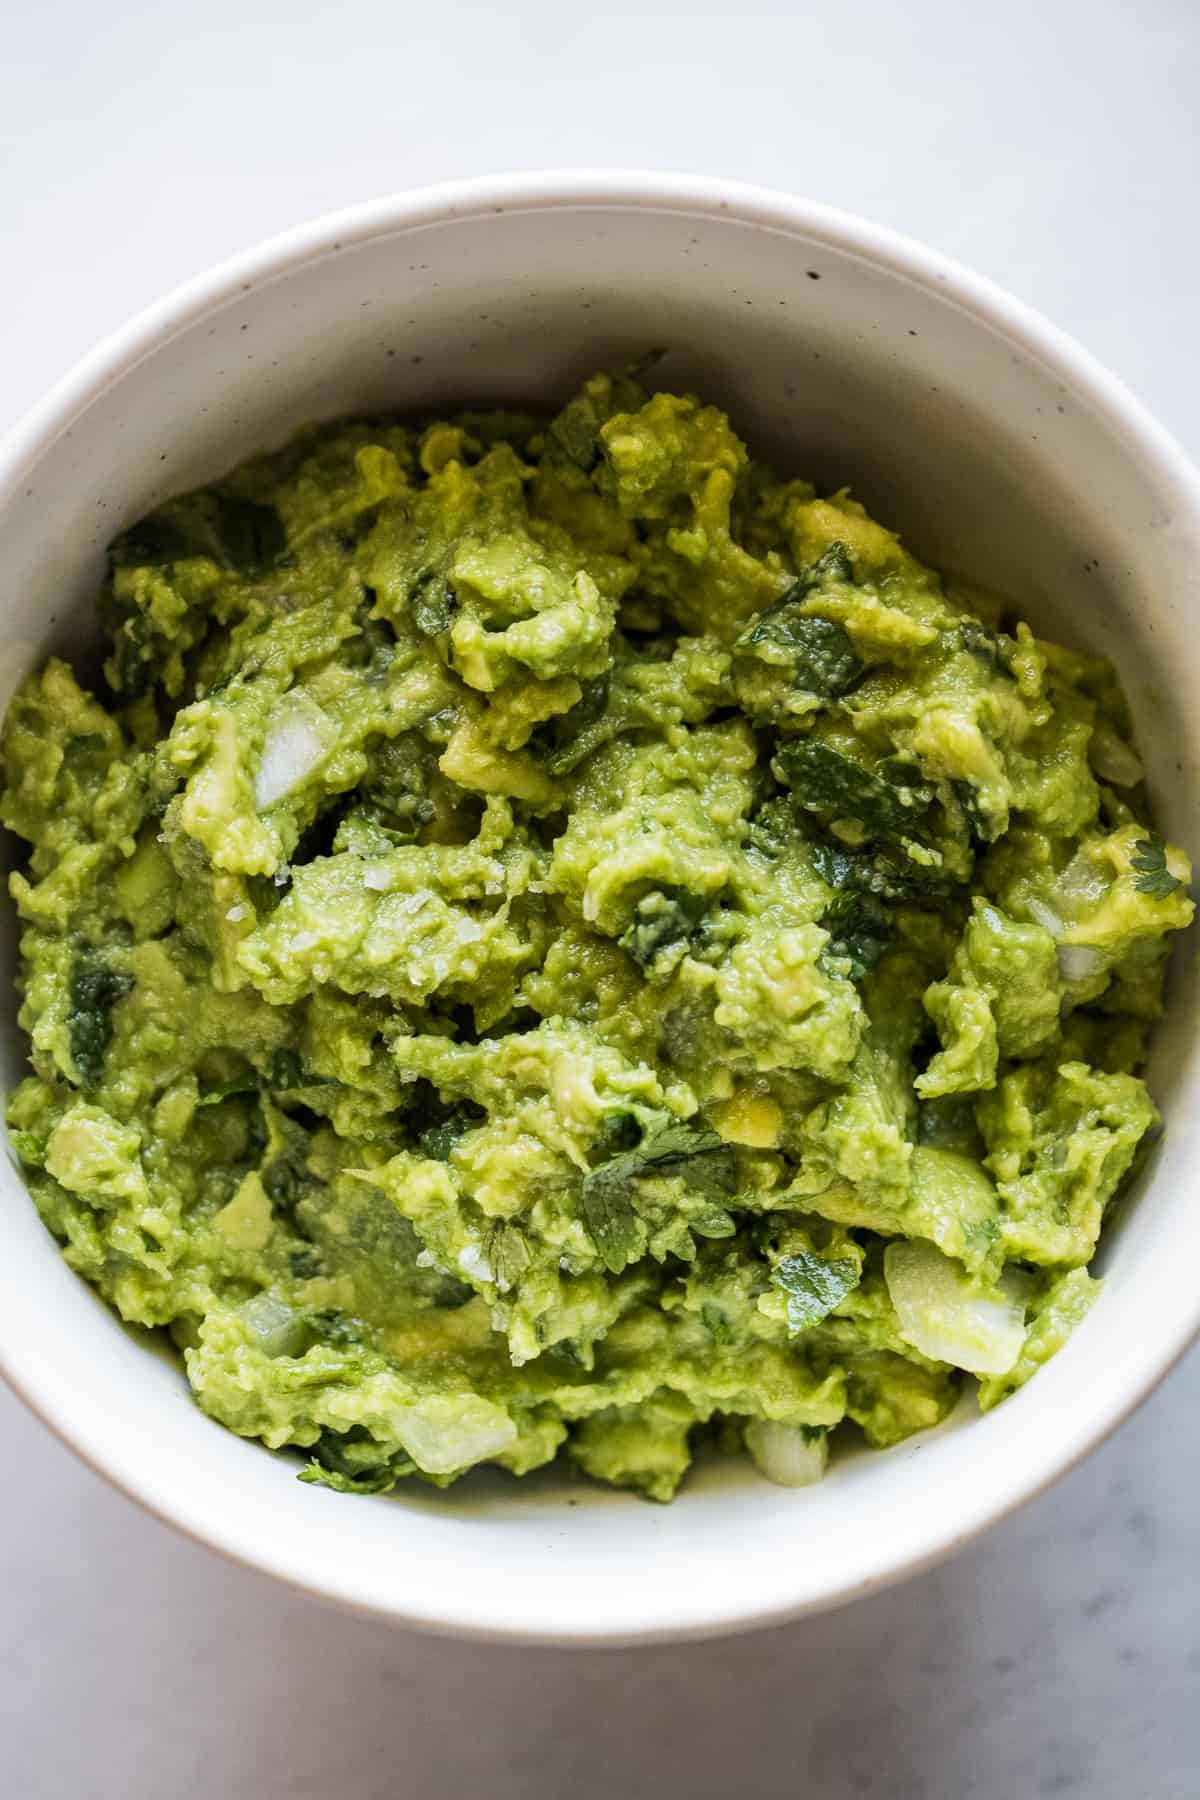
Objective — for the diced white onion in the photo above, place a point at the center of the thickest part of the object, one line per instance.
(473, 1262)
(236, 914)
(945, 1318)
(1081, 883)
(451, 1431)
(786, 1454)
(297, 741)
(1045, 916)
(1113, 760)
(274, 1324)
(375, 878)
(1078, 962)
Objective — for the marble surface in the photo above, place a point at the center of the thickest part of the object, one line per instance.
(1052, 144)
(1060, 1656)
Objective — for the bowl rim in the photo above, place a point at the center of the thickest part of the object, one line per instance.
(816, 223)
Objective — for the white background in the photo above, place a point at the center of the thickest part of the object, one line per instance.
(1052, 145)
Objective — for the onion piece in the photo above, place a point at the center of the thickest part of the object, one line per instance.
(475, 1264)
(1081, 884)
(1079, 962)
(944, 1317)
(788, 1455)
(275, 1326)
(446, 1432)
(1045, 916)
(299, 736)
(1113, 760)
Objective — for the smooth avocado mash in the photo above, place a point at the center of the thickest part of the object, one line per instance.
(548, 938)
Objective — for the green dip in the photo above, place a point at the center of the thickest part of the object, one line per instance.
(550, 937)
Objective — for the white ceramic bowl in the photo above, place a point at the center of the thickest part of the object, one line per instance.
(1002, 451)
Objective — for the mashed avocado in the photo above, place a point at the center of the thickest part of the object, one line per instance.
(549, 937)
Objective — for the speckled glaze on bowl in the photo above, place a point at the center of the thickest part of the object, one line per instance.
(998, 447)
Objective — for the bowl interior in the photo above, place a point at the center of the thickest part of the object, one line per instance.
(840, 357)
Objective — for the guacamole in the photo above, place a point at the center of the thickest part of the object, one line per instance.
(546, 937)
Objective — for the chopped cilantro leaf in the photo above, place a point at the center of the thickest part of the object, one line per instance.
(1150, 856)
(352, 1463)
(381, 1482)
(662, 929)
(860, 929)
(817, 652)
(789, 660)
(95, 990)
(833, 565)
(610, 1215)
(437, 1141)
(988, 647)
(825, 780)
(332, 1326)
(887, 874)
(978, 823)
(564, 742)
(287, 1069)
(813, 1286)
(700, 1158)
